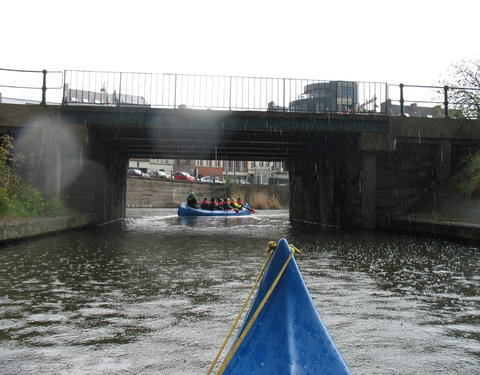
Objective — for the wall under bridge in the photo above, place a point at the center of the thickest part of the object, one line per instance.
(364, 179)
(63, 159)
(164, 193)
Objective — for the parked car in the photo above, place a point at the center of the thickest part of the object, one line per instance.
(211, 180)
(158, 174)
(183, 176)
(134, 172)
(145, 175)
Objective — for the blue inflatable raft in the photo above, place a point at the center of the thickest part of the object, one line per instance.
(185, 210)
(288, 335)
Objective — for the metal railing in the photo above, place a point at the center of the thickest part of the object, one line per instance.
(168, 90)
(28, 80)
(220, 92)
(432, 101)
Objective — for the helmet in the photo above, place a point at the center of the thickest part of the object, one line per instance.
(191, 195)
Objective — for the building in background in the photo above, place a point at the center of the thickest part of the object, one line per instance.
(242, 172)
(411, 110)
(330, 96)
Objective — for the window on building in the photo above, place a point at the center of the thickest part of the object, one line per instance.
(347, 92)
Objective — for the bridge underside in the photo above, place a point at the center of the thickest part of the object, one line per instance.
(215, 135)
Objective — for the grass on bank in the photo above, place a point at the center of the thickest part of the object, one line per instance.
(18, 199)
(469, 184)
(28, 202)
(260, 200)
(263, 201)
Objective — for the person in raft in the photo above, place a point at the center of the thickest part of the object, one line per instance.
(205, 205)
(226, 204)
(191, 201)
(219, 203)
(235, 205)
(214, 205)
(239, 203)
(223, 203)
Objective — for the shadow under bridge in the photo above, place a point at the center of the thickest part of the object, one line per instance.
(134, 132)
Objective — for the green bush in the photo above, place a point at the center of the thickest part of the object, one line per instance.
(54, 207)
(470, 184)
(16, 198)
(29, 202)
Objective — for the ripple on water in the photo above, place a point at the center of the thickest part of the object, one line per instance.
(158, 296)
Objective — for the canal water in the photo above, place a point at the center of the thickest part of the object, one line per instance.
(157, 295)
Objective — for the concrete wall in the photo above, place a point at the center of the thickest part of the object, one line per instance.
(324, 187)
(404, 176)
(169, 194)
(361, 181)
(16, 229)
(92, 176)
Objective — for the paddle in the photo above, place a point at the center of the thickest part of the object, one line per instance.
(247, 206)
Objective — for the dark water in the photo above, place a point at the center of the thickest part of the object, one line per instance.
(158, 295)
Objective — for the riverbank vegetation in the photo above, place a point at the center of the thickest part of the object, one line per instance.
(18, 199)
(263, 201)
(257, 199)
(260, 200)
(464, 89)
(469, 177)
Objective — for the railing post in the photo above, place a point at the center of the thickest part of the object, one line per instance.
(445, 100)
(175, 93)
(119, 91)
(387, 101)
(44, 88)
(230, 96)
(283, 95)
(64, 90)
(402, 113)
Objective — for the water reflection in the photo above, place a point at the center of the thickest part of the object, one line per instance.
(157, 295)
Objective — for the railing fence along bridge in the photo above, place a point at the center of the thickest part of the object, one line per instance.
(166, 90)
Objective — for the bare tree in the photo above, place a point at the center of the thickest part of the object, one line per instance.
(464, 89)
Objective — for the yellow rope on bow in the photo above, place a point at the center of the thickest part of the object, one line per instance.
(272, 245)
(257, 312)
(295, 249)
(243, 307)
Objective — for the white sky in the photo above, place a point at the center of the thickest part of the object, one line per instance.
(409, 41)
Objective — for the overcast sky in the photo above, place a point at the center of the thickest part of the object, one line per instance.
(409, 41)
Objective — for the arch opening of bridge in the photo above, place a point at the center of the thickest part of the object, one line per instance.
(320, 151)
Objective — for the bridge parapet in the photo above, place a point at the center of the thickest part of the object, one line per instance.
(167, 90)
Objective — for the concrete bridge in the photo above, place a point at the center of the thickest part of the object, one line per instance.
(350, 170)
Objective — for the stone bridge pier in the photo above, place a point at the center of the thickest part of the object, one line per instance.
(63, 158)
(98, 180)
(359, 180)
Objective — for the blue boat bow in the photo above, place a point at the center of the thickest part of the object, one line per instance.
(288, 336)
